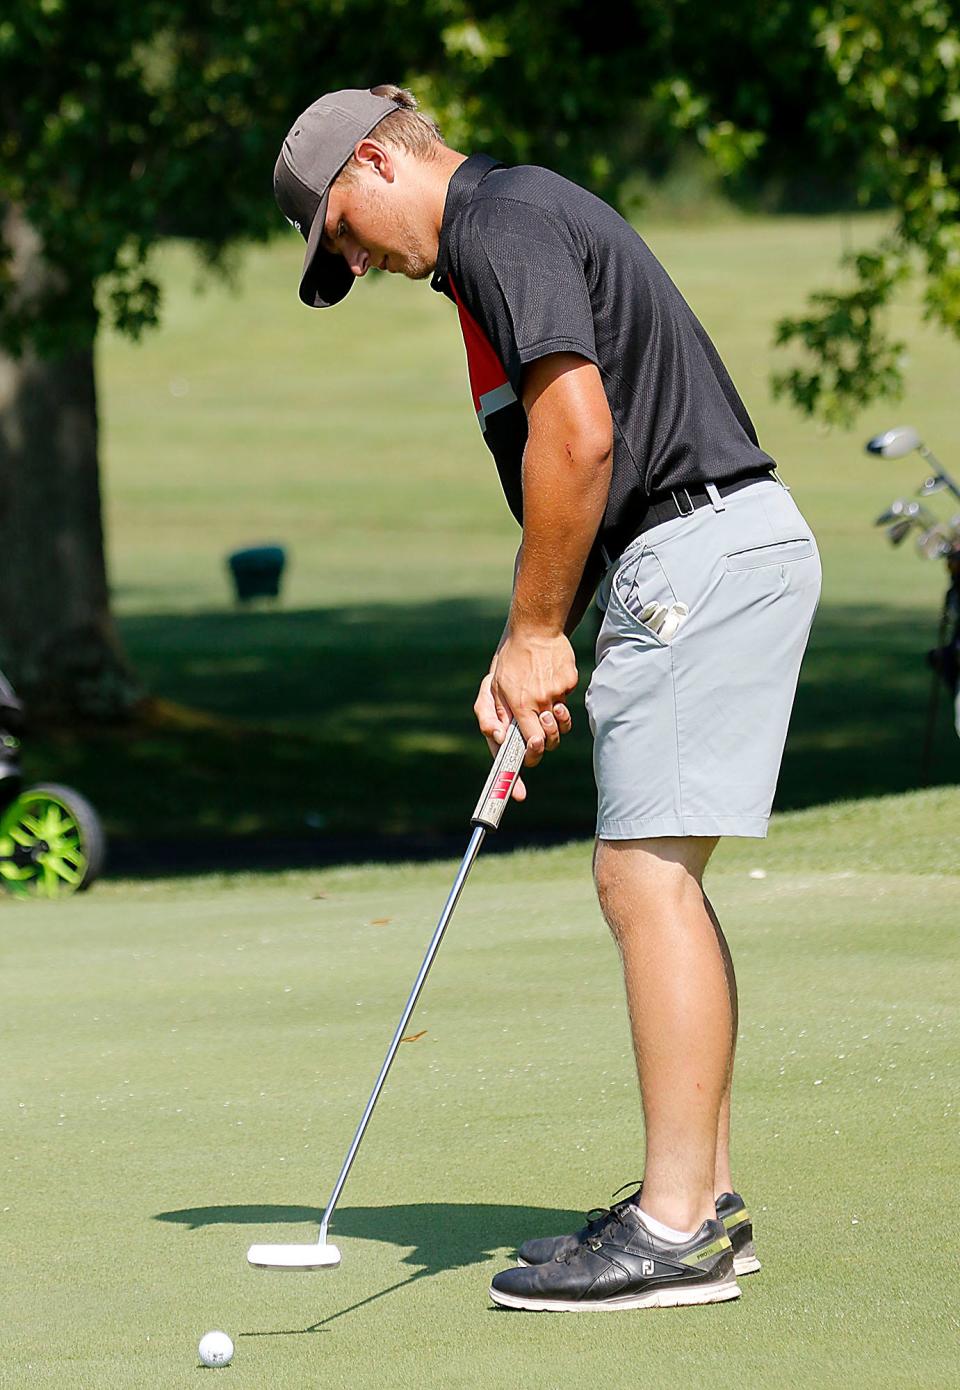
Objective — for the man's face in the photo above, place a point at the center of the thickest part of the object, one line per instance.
(372, 218)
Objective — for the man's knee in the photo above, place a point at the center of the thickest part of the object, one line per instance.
(638, 875)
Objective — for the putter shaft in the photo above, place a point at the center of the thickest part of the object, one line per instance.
(476, 840)
(486, 816)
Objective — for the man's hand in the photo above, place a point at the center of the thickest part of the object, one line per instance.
(531, 676)
(493, 720)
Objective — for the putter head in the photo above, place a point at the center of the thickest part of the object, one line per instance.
(894, 444)
(294, 1257)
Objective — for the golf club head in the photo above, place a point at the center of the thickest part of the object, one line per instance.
(294, 1257)
(936, 541)
(934, 484)
(894, 444)
(899, 530)
(896, 509)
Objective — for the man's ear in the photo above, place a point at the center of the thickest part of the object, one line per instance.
(372, 155)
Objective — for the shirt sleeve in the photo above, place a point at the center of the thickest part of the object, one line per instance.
(523, 271)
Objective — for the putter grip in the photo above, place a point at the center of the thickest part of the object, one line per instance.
(503, 774)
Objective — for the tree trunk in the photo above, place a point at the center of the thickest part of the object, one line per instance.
(57, 636)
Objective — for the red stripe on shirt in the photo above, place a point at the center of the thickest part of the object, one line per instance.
(484, 367)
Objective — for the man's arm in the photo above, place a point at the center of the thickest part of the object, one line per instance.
(494, 722)
(583, 598)
(566, 479)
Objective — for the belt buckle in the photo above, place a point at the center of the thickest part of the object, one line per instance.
(676, 502)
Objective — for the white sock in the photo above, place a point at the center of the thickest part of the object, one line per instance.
(662, 1232)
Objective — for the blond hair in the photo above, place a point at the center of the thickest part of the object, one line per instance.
(407, 128)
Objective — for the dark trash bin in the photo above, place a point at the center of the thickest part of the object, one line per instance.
(257, 571)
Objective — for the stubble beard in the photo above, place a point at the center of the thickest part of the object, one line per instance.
(417, 267)
(415, 264)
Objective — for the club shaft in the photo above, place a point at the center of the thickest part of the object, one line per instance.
(939, 469)
(476, 840)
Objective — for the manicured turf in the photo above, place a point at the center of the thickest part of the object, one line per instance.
(185, 1062)
(349, 437)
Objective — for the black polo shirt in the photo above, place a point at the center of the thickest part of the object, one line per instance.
(536, 265)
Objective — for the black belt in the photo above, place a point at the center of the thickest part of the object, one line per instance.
(684, 501)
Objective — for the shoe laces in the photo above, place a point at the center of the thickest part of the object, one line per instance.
(599, 1219)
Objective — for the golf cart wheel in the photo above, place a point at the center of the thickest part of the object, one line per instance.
(51, 843)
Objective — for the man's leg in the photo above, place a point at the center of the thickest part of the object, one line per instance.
(723, 1181)
(679, 995)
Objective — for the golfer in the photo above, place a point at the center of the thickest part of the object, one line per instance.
(631, 463)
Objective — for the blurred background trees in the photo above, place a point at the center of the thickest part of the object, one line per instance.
(126, 125)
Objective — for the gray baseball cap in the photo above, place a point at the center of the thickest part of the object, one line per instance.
(318, 145)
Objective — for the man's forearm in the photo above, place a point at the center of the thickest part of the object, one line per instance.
(584, 596)
(564, 495)
(506, 627)
(581, 602)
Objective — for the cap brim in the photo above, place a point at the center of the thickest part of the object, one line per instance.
(325, 278)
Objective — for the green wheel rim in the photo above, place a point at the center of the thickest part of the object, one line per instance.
(59, 868)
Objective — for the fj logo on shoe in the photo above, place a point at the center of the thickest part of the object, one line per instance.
(648, 1267)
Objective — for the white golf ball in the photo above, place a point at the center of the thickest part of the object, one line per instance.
(215, 1349)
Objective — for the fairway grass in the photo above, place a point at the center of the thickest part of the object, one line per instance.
(186, 1061)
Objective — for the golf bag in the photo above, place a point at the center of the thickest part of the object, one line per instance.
(51, 839)
(935, 540)
(944, 658)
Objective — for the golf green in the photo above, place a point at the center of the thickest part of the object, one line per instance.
(186, 1062)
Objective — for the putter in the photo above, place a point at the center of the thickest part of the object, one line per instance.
(321, 1254)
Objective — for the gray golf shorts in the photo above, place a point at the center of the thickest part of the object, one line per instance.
(689, 721)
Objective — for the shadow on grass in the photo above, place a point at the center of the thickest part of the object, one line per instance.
(443, 1235)
(358, 720)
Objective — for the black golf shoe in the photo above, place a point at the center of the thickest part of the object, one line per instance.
(623, 1267)
(730, 1210)
(738, 1224)
(541, 1251)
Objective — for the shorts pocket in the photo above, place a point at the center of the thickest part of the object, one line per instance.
(635, 592)
(780, 553)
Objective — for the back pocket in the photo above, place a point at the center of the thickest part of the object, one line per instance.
(780, 553)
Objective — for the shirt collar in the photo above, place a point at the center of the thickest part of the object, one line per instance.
(464, 182)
